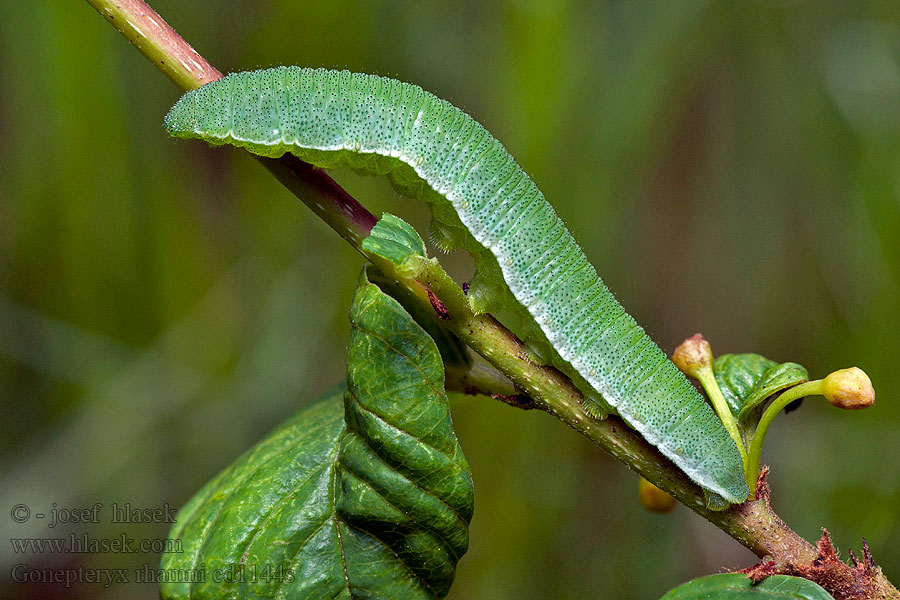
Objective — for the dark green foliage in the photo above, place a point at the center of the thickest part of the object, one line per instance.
(370, 501)
(748, 380)
(734, 586)
(394, 239)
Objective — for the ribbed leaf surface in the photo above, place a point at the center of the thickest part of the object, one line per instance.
(366, 498)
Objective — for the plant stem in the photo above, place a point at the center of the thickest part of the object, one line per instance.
(809, 388)
(178, 61)
(156, 40)
(720, 405)
(322, 194)
(478, 378)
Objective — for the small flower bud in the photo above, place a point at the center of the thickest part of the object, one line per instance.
(693, 355)
(850, 389)
(654, 499)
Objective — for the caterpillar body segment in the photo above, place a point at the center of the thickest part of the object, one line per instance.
(482, 201)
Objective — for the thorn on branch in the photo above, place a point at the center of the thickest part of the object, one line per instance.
(839, 579)
(868, 561)
(859, 579)
(827, 553)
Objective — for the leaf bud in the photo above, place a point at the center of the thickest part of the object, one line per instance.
(850, 389)
(693, 355)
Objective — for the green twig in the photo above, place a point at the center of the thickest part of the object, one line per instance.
(795, 393)
(708, 380)
(156, 40)
(847, 389)
(694, 358)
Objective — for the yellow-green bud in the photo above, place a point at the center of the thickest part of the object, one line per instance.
(654, 499)
(850, 389)
(693, 355)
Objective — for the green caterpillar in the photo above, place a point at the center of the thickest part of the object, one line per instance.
(526, 260)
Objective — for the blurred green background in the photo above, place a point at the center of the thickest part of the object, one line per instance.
(730, 167)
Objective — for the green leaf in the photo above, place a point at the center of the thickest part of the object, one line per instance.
(748, 380)
(453, 350)
(394, 239)
(734, 586)
(774, 380)
(369, 497)
(738, 374)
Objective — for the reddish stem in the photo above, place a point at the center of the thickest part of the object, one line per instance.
(162, 45)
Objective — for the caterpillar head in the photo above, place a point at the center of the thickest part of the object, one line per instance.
(182, 121)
